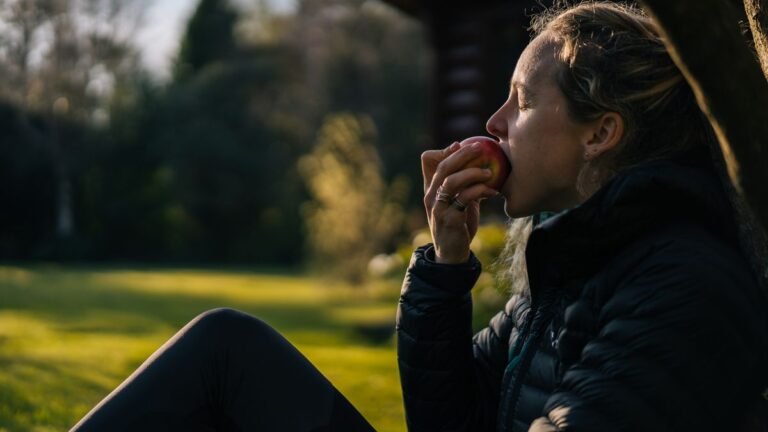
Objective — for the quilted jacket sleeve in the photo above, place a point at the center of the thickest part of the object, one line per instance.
(670, 350)
(450, 380)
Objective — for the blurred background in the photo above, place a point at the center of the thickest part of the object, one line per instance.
(160, 158)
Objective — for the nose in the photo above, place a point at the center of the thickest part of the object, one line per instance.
(496, 125)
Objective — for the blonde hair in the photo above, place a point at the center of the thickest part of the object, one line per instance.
(612, 58)
(511, 268)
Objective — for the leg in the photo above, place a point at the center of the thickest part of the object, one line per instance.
(225, 370)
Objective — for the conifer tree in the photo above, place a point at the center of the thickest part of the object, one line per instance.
(209, 37)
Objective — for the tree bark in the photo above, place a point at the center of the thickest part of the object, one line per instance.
(704, 39)
(758, 23)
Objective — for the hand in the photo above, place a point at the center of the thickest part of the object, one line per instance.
(452, 228)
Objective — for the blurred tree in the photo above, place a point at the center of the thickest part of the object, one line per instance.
(209, 37)
(354, 214)
(228, 159)
(353, 61)
(125, 194)
(62, 58)
(67, 56)
(27, 185)
(204, 167)
(233, 177)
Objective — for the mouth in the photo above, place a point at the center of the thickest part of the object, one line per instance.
(508, 182)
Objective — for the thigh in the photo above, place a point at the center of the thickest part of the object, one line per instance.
(225, 370)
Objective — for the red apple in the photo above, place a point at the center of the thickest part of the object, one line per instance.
(492, 157)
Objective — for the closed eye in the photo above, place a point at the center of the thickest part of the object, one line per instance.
(523, 95)
(523, 103)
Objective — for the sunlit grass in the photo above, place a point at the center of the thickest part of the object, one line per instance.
(238, 288)
(69, 336)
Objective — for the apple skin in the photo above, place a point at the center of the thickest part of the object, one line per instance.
(491, 157)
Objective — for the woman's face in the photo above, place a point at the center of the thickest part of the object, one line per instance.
(545, 146)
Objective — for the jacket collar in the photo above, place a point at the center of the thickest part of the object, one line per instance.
(576, 243)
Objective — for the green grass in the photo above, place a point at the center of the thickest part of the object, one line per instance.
(70, 335)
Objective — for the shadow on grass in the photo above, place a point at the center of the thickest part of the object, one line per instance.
(37, 387)
(20, 409)
(75, 303)
(13, 401)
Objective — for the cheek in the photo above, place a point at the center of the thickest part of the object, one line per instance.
(528, 145)
(544, 160)
(543, 137)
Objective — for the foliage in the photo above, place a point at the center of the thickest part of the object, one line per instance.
(234, 177)
(354, 213)
(209, 37)
(61, 61)
(26, 165)
(202, 168)
(69, 336)
(357, 65)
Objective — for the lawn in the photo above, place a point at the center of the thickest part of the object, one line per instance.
(70, 335)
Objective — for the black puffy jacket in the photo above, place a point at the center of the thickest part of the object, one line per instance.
(643, 315)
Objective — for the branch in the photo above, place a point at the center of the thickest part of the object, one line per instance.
(705, 41)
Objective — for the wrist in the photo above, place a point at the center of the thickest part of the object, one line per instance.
(444, 279)
(441, 258)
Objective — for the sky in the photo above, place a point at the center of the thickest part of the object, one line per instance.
(164, 22)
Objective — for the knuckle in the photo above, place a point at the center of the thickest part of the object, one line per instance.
(440, 170)
(450, 183)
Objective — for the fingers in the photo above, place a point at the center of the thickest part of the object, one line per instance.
(451, 199)
(452, 164)
(475, 193)
(455, 161)
(463, 179)
(430, 159)
(457, 182)
(454, 224)
(467, 198)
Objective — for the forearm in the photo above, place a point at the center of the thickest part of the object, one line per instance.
(434, 329)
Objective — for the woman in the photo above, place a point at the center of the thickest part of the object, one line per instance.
(643, 311)
(643, 308)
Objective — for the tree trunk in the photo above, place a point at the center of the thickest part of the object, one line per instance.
(704, 39)
(758, 23)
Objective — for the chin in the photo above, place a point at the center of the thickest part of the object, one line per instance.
(515, 211)
(518, 204)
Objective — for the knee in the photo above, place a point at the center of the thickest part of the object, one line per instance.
(227, 323)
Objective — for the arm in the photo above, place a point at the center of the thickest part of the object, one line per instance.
(672, 349)
(450, 380)
(435, 352)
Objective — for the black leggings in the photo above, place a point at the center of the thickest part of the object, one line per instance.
(225, 371)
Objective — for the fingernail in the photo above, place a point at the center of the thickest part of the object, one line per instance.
(487, 172)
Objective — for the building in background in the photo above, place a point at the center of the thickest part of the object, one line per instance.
(476, 45)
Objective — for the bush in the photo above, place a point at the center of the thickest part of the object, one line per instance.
(354, 214)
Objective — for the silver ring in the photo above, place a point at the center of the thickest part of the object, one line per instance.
(458, 205)
(442, 196)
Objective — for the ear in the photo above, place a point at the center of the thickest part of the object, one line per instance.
(604, 135)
